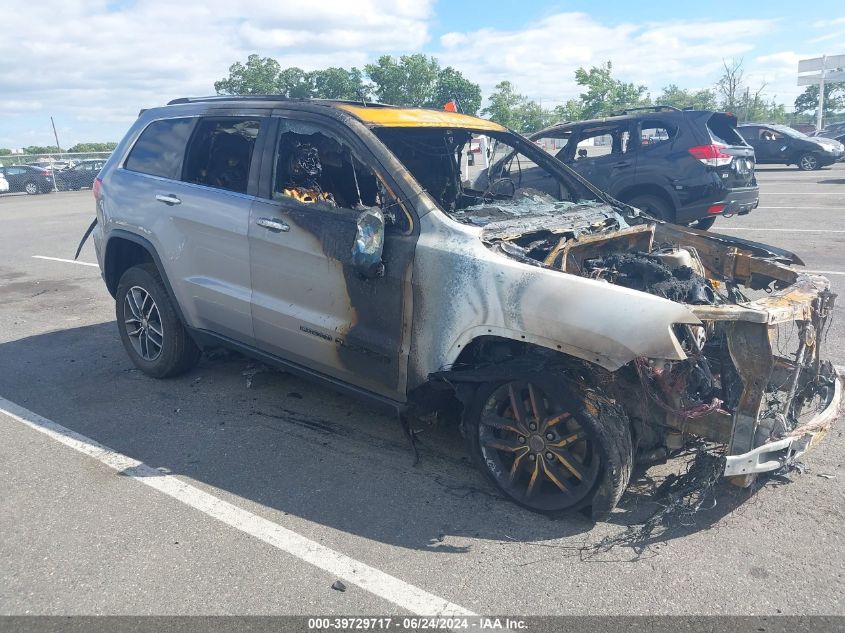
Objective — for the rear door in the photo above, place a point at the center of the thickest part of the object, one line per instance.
(194, 206)
(604, 154)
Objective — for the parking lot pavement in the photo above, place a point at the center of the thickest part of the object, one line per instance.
(82, 535)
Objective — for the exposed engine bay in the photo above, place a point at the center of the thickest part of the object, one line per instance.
(753, 374)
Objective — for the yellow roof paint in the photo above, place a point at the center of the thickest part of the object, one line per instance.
(418, 117)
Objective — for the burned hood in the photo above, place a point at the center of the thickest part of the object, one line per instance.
(574, 218)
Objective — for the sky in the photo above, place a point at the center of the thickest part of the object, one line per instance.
(93, 64)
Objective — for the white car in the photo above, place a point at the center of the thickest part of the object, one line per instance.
(4, 184)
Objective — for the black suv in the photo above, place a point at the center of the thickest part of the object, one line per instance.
(684, 166)
(782, 145)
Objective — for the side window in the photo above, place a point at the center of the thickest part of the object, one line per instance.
(220, 153)
(555, 144)
(769, 135)
(656, 133)
(314, 167)
(160, 148)
(748, 133)
(596, 142)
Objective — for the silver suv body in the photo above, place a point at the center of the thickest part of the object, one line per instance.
(573, 335)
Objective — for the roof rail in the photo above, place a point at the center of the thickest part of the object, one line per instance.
(181, 100)
(654, 108)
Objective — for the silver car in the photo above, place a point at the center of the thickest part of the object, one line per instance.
(570, 336)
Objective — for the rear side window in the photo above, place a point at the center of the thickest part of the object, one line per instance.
(220, 153)
(656, 133)
(722, 130)
(160, 148)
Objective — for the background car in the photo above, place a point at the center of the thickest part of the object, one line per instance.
(781, 145)
(4, 184)
(683, 166)
(81, 175)
(27, 178)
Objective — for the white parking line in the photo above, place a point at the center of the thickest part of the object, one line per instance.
(66, 261)
(399, 592)
(803, 207)
(825, 272)
(749, 228)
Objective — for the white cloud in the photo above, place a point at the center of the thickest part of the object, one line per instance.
(95, 61)
(541, 59)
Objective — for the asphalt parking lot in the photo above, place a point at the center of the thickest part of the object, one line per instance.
(251, 492)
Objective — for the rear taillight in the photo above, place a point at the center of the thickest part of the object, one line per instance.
(711, 155)
(95, 188)
(46, 173)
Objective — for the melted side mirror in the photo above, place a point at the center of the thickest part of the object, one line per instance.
(368, 246)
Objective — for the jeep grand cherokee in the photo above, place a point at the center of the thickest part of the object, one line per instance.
(574, 334)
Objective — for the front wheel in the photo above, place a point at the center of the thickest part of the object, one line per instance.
(154, 337)
(808, 162)
(550, 446)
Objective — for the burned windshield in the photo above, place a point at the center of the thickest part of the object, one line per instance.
(481, 178)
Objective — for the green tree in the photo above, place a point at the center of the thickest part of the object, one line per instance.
(572, 110)
(260, 75)
(451, 84)
(604, 94)
(694, 99)
(409, 81)
(295, 83)
(5, 151)
(41, 149)
(834, 99)
(92, 147)
(504, 104)
(339, 83)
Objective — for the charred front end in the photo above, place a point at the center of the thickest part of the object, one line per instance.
(753, 378)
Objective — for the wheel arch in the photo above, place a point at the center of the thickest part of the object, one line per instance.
(648, 189)
(124, 250)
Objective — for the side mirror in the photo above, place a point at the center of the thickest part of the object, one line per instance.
(368, 246)
(582, 153)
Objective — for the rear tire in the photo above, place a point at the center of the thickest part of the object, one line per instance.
(703, 224)
(654, 205)
(808, 162)
(586, 458)
(31, 188)
(154, 337)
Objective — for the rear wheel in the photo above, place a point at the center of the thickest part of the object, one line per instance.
(654, 205)
(31, 188)
(154, 337)
(549, 446)
(808, 162)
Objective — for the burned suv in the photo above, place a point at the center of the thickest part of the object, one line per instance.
(570, 335)
(684, 166)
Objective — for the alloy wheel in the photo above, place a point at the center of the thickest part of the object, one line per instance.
(539, 452)
(142, 321)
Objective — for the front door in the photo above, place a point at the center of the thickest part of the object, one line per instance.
(311, 305)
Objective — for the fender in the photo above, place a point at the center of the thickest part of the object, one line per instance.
(150, 249)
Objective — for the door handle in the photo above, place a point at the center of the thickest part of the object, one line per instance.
(276, 226)
(168, 199)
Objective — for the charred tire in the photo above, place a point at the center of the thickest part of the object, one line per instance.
(703, 224)
(655, 206)
(550, 446)
(154, 337)
(808, 162)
